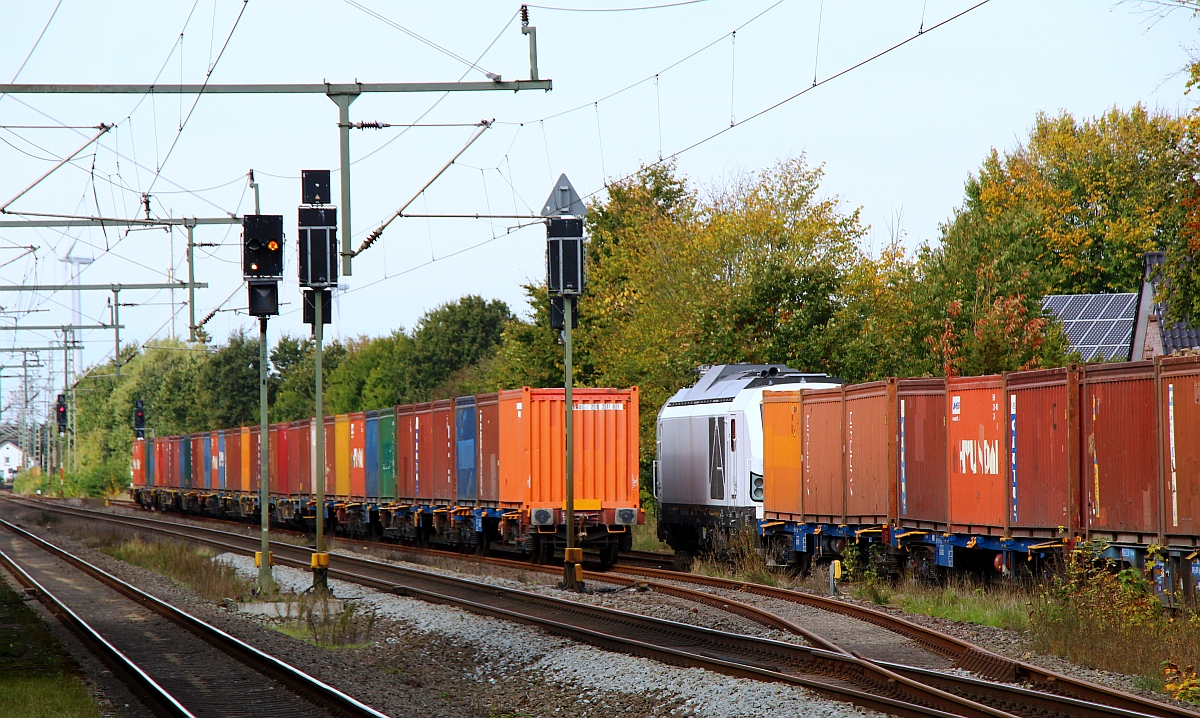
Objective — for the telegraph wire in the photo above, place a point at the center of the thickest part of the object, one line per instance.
(619, 9)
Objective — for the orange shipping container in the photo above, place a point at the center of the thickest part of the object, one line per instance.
(870, 486)
(138, 466)
(821, 456)
(976, 436)
(330, 456)
(1179, 396)
(532, 448)
(406, 460)
(783, 499)
(300, 462)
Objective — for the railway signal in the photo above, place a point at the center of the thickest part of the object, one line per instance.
(139, 419)
(564, 283)
(60, 411)
(316, 240)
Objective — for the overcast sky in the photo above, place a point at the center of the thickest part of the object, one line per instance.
(897, 136)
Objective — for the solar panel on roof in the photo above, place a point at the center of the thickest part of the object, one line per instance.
(1074, 307)
(1097, 332)
(1054, 303)
(1076, 331)
(1129, 311)
(1115, 332)
(1096, 304)
(1115, 351)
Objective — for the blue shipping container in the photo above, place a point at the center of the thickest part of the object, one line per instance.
(464, 437)
(371, 447)
(221, 460)
(208, 461)
(149, 462)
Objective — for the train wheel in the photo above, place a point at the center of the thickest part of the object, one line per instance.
(924, 565)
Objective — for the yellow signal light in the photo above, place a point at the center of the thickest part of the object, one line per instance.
(273, 245)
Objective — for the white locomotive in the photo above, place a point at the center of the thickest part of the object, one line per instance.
(708, 475)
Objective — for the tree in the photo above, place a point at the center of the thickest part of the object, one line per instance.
(297, 371)
(228, 389)
(452, 337)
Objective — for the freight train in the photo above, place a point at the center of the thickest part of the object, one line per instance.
(473, 473)
(993, 474)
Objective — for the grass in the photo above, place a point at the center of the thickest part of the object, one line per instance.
(645, 536)
(37, 676)
(739, 559)
(181, 562)
(962, 601)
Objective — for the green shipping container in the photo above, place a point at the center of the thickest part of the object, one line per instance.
(387, 453)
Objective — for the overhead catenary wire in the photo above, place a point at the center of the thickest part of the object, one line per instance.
(422, 39)
(373, 236)
(635, 8)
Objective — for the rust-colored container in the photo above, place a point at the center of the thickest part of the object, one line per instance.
(216, 475)
(782, 479)
(605, 448)
(870, 459)
(137, 464)
(434, 453)
(406, 457)
(977, 444)
(487, 447)
(358, 454)
(1120, 451)
(821, 456)
(274, 436)
(1043, 452)
(1179, 398)
(922, 494)
(233, 460)
(300, 462)
(253, 459)
(199, 480)
(161, 475)
(330, 456)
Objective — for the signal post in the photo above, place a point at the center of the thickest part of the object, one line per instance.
(262, 267)
(318, 265)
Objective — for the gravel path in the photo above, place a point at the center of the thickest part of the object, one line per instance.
(432, 660)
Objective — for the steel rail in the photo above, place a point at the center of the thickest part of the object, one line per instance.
(965, 655)
(1056, 694)
(825, 672)
(326, 696)
(131, 673)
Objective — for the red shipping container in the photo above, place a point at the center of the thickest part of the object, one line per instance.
(330, 457)
(976, 436)
(487, 448)
(406, 457)
(233, 459)
(214, 467)
(868, 435)
(821, 456)
(300, 462)
(358, 455)
(434, 453)
(273, 435)
(138, 465)
(1121, 451)
(171, 461)
(923, 487)
(197, 456)
(1043, 452)
(255, 459)
(1179, 396)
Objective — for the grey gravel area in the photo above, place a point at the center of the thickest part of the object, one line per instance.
(866, 639)
(609, 595)
(433, 660)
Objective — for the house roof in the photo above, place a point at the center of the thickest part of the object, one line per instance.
(1175, 335)
(1098, 326)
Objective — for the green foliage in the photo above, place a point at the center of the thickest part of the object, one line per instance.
(227, 386)
(295, 396)
(1104, 614)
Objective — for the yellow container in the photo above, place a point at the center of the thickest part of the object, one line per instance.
(341, 465)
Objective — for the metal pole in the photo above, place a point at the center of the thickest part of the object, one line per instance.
(570, 580)
(116, 320)
(26, 444)
(320, 573)
(191, 284)
(265, 581)
(343, 103)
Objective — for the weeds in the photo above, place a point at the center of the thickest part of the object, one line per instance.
(328, 624)
(739, 558)
(645, 536)
(180, 562)
(1107, 616)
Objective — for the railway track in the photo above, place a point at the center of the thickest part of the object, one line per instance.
(823, 667)
(175, 663)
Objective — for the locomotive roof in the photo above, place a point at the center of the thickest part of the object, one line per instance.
(722, 382)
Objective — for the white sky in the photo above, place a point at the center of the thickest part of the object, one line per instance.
(897, 137)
